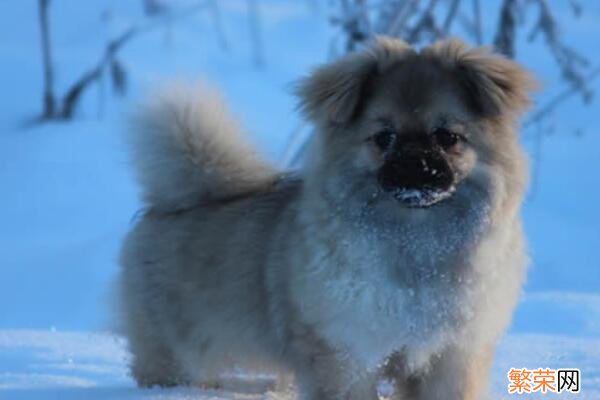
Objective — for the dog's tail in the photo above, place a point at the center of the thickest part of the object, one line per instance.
(188, 149)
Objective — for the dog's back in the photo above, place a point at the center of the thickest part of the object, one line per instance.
(209, 202)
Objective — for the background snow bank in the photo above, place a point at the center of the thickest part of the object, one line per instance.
(67, 194)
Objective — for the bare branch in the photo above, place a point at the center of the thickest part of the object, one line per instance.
(73, 95)
(568, 60)
(394, 15)
(154, 7)
(450, 17)
(295, 145)
(477, 22)
(504, 41)
(49, 98)
(425, 24)
(537, 162)
(354, 21)
(218, 24)
(576, 7)
(254, 23)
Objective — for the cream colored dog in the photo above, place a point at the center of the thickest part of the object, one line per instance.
(397, 253)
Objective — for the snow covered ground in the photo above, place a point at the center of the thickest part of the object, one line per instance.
(67, 195)
(50, 364)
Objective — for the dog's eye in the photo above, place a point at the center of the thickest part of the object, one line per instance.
(384, 139)
(446, 138)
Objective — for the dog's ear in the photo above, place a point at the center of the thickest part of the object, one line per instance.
(334, 92)
(493, 84)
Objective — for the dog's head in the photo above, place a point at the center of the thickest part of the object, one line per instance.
(414, 129)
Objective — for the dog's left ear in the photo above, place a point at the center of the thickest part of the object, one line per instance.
(493, 84)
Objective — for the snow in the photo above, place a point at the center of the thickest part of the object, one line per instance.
(51, 364)
(422, 198)
(68, 194)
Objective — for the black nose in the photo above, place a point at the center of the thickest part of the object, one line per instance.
(416, 169)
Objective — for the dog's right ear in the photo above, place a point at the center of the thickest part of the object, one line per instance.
(333, 92)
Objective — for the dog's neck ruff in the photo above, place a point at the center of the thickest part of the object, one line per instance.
(385, 280)
(424, 238)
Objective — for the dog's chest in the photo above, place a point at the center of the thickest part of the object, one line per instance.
(369, 299)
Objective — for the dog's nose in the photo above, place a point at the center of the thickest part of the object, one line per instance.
(416, 168)
(414, 142)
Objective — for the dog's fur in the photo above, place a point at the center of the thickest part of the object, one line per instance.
(326, 275)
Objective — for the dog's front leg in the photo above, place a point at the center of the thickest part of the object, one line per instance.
(325, 377)
(456, 374)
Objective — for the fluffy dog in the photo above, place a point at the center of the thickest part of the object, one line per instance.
(396, 253)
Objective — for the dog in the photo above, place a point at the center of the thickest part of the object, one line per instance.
(396, 254)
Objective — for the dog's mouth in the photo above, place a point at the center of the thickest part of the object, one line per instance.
(418, 182)
(421, 198)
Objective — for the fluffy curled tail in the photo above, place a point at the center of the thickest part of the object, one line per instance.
(188, 149)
